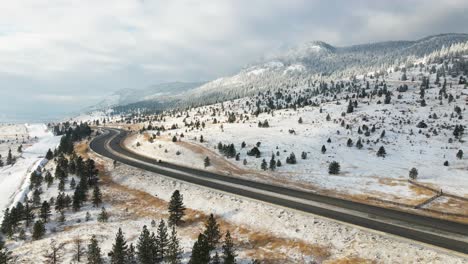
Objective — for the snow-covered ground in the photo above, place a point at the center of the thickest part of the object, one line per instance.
(362, 172)
(14, 179)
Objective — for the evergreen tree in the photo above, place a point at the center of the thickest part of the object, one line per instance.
(145, 247)
(324, 149)
(94, 252)
(103, 216)
(119, 249)
(381, 152)
(460, 154)
(216, 259)
(264, 165)
(334, 168)
(28, 214)
(38, 230)
(176, 208)
(229, 254)
(97, 196)
(173, 249)
(45, 211)
(207, 162)
(359, 144)
(162, 240)
(9, 158)
(131, 255)
(413, 173)
(349, 143)
(200, 251)
(212, 232)
(49, 155)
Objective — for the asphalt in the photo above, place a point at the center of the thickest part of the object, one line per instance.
(433, 231)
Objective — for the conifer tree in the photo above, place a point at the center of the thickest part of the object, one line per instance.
(131, 255)
(38, 230)
(460, 154)
(381, 152)
(216, 259)
(207, 162)
(119, 249)
(28, 214)
(212, 233)
(173, 249)
(145, 247)
(200, 251)
(176, 208)
(162, 240)
(413, 173)
(9, 158)
(264, 165)
(359, 144)
(229, 254)
(97, 196)
(94, 252)
(334, 168)
(49, 155)
(324, 149)
(103, 216)
(45, 211)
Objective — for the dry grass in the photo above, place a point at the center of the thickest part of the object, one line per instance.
(350, 260)
(82, 149)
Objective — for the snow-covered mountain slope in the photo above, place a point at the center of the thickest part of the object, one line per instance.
(313, 60)
(160, 91)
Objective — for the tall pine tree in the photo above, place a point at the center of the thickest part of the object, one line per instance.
(176, 208)
(119, 249)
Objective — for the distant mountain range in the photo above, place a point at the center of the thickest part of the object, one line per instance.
(293, 67)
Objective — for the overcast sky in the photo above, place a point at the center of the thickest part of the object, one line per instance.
(57, 53)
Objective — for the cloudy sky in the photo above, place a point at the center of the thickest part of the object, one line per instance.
(58, 56)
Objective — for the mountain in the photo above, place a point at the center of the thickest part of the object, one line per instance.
(296, 66)
(161, 92)
(303, 63)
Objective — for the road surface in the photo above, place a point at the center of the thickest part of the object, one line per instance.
(436, 232)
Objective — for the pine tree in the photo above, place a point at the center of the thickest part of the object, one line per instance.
(72, 184)
(38, 230)
(162, 240)
(349, 143)
(28, 214)
(94, 252)
(176, 208)
(103, 216)
(460, 154)
(207, 162)
(49, 155)
(381, 152)
(334, 168)
(264, 165)
(212, 233)
(359, 144)
(5, 254)
(216, 259)
(119, 249)
(173, 249)
(131, 255)
(45, 211)
(97, 196)
(324, 149)
(413, 173)
(200, 251)
(300, 120)
(229, 254)
(145, 247)
(9, 158)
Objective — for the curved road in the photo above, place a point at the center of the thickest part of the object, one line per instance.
(436, 232)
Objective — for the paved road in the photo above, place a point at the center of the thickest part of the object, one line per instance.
(436, 232)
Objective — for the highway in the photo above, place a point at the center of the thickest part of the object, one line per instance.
(440, 233)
